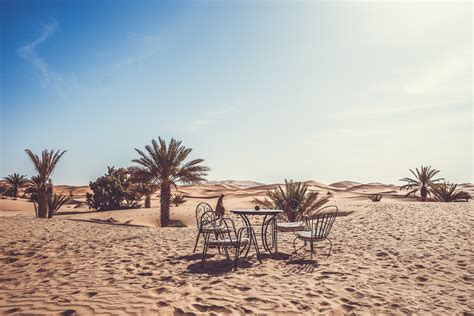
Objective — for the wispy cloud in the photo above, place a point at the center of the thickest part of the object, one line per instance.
(210, 117)
(29, 52)
(389, 109)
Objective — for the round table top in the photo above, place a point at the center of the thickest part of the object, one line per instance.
(252, 211)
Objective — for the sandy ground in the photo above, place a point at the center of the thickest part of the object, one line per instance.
(390, 257)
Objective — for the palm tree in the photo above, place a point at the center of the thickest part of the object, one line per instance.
(143, 184)
(166, 165)
(15, 181)
(423, 181)
(44, 166)
(293, 191)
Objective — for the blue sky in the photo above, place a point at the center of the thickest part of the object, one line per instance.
(264, 91)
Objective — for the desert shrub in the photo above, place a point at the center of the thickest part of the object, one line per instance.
(375, 197)
(178, 199)
(112, 191)
(446, 192)
(293, 191)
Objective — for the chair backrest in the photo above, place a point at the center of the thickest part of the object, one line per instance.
(321, 222)
(200, 210)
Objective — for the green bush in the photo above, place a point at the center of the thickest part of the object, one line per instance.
(113, 191)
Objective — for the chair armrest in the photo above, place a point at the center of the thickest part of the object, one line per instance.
(228, 219)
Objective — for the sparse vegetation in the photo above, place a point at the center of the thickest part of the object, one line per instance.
(308, 201)
(178, 199)
(375, 197)
(422, 182)
(113, 191)
(446, 192)
(165, 164)
(14, 182)
(42, 182)
(143, 184)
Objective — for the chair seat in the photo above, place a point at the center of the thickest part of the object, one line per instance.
(290, 226)
(213, 229)
(227, 242)
(308, 235)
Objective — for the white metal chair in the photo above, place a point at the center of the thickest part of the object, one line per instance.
(284, 223)
(317, 228)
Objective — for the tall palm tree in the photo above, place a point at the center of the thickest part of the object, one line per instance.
(15, 181)
(44, 165)
(166, 165)
(423, 181)
(293, 191)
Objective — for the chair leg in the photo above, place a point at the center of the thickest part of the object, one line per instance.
(197, 240)
(236, 263)
(226, 253)
(312, 248)
(330, 248)
(204, 251)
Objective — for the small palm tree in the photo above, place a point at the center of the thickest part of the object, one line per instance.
(446, 192)
(423, 181)
(143, 184)
(16, 181)
(44, 167)
(166, 165)
(293, 191)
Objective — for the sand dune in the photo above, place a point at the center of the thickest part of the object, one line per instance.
(388, 258)
(391, 257)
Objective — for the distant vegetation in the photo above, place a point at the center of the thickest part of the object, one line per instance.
(375, 197)
(165, 164)
(113, 191)
(446, 192)
(14, 182)
(178, 199)
(441, 192)
(41, 189)
(281, 197)
(143, 184)
(423, 181)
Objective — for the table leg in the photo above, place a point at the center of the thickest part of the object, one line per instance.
(265, 225)
(252, 238)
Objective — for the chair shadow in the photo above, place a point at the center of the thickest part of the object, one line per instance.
(298, 265)
(216, 268)
(193, 257)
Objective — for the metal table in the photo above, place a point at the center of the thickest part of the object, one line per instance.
(268, 222)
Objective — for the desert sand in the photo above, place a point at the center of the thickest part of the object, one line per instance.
(393, 257)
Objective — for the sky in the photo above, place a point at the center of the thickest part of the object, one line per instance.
(262, 91)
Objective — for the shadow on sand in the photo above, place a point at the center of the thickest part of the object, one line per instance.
(109, 221)
(216, 268)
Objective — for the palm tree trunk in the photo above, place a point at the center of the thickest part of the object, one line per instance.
(423, 193)
(165, 204)
(148, 201)
(42, 204)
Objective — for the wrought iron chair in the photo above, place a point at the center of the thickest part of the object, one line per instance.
(285, 223)
(200, 210)
(224, 235)
(318, 227)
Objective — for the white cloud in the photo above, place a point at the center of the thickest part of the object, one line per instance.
(29, 53)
